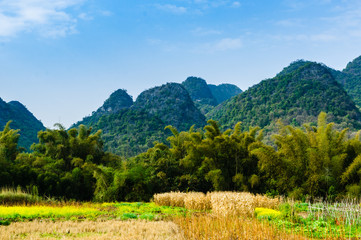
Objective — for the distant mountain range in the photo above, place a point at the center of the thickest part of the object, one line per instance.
(296, 96)
(130, 128)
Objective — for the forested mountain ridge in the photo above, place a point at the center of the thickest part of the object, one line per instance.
(350, 78)
(117, 101)
(172, 104)
(199, 91)
(134, 127)
(207, 96)
(296, 95)
(21, 119)
(224, 91)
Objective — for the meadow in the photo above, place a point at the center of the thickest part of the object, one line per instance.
(176, 215)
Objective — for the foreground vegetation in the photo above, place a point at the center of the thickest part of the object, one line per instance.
(305, 163)
(175, 215)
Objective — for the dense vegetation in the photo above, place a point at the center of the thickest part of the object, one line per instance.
(172, 104)
(224, 91)
(207, 96)
(130, 131)
(199, 91)
(350, 78)
(296, 95)
(71, 164)
(21, 119)
(131, 128)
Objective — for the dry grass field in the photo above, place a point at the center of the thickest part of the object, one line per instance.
(89, 230)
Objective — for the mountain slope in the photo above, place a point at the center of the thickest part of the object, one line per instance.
(224, 91)
(199, 91)
(117, 101)
(172, 104)
(21, 119)
(207, 96)
(296, 95)
(129, 129)
(350, 78)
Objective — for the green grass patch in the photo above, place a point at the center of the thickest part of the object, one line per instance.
(90, 211)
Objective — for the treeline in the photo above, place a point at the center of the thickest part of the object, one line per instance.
(304, 162)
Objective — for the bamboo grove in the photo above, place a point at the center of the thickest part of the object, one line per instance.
(301, 162)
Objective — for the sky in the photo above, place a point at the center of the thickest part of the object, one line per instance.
(63, 58)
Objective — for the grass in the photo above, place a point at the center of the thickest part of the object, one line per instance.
(92, 211)
(220, 215)
(99, 229)
(319, 220)
(9, 196)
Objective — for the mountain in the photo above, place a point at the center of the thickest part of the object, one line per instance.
(21, 119)
(117, 101)
(207, 96)
(131, 128)
(224, 91)
(172, 104)
(350, 78)
(129, 132)
(296, 95)
(199, 91)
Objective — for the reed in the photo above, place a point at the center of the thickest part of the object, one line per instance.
(9, 196)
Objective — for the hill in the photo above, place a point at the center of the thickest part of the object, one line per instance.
(224, 91)
(21, 119)
(172, 104)
(131, 128)
(117, 101)
(207, 96)
(200, 93)
(296, 95)
(350, 78)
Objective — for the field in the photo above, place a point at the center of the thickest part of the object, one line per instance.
(220, 215)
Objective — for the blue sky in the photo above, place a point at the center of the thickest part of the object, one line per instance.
(63, 58)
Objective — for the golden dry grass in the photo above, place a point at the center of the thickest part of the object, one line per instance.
(197, 201)
(91, 230)
(223, 203)
(218, 227)
(175, 199)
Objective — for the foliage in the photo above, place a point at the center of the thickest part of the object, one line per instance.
(18, 197)
(320, 220)
(63, 163)
(21, 119)
(199, 91)
(224, 91)
(350, 79)
(122, 210)
(296, 95)
(268, 213)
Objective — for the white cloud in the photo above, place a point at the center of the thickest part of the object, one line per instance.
(228, 44)
(236, 4)
(205, 32)
(106, 13)
(290, 23)
(85, 16)
(224, 44)
(48, 17)
(172, 8)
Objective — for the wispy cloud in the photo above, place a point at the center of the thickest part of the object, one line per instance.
(224, 44)
(205, 32)
(172, 8)
(236, 4)
(48, 17)
(290, 23)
